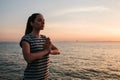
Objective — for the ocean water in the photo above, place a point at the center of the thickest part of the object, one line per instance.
(77, 61)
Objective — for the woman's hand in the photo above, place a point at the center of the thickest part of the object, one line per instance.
(47, 45)
(54, 50)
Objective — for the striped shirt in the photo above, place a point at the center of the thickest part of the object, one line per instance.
(37, 69)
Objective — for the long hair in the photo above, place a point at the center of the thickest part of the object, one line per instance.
(29, 27)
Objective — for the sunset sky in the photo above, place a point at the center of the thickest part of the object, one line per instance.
(66, 20)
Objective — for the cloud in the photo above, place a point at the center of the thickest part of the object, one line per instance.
(78, 10)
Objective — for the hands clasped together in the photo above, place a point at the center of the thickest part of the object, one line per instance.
(50, 48)
(48, 44)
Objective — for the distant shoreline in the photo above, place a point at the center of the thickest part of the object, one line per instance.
(64, 41)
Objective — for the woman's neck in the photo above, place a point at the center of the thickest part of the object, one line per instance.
(35, 33)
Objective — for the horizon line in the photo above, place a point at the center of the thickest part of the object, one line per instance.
(59, 41)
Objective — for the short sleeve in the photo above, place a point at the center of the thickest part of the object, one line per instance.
(24, 38)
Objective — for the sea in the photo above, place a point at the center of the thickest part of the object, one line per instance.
(77, 61)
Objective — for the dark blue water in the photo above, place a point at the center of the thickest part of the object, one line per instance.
(77, 61)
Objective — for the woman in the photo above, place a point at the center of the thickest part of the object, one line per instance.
(36, 49)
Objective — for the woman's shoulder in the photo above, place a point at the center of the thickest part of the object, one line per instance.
(26, 37)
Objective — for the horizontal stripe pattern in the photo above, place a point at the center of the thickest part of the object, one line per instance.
(37, 69)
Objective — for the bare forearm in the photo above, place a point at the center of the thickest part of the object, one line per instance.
(28, 56)
(34, 56)
(55, 52)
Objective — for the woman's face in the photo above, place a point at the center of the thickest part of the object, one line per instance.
(38, 23)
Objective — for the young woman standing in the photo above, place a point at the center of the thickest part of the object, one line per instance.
(36, 49)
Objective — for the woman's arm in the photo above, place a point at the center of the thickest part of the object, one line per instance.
(31, 56)
(54, 50)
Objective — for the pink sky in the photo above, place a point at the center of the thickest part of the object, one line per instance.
(79, 20)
